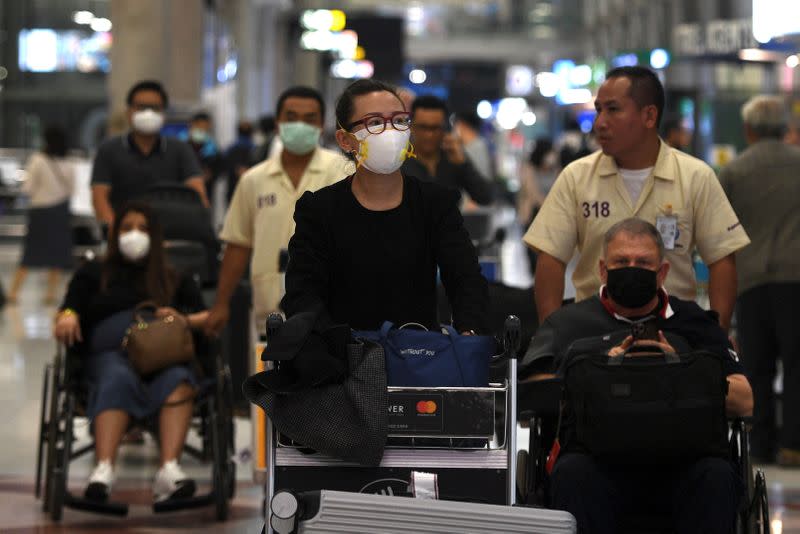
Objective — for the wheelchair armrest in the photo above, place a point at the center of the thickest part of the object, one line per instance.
(540, 397)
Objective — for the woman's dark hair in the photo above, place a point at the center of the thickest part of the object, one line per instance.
(346, 101)
(55, 141)
(159, 280)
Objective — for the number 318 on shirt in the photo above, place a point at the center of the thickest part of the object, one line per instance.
(596, 209)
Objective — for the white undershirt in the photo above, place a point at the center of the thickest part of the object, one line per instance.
(634, 181)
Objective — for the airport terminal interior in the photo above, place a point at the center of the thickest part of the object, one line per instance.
(521, 82)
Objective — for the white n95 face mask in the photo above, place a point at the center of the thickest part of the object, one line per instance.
(147, 121)
(385, 152)
(134, 245)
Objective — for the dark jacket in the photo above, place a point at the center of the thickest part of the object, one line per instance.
(125, 290)
(461, 177)
(367, 267)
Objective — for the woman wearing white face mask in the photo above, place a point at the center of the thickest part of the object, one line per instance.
(96, 311)
(368, 247)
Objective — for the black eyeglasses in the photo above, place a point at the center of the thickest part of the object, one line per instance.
(375, 124)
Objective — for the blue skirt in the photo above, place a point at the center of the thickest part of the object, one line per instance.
(48, 240)
(115, 385)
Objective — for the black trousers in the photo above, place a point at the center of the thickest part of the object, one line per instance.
(699, 497)
(768, 323)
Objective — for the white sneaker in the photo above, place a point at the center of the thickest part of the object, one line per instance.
(172, 483)
(100, 481)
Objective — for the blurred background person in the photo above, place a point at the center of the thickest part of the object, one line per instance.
(537, 176)
(200, 137)
(239, 154)
(763, 187)
(265, 140)
(49, 183)
(128, 165)
(440, 156)
(467, 127)
(676, 135)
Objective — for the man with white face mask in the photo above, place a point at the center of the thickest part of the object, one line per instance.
(127, 166)
(259, 223)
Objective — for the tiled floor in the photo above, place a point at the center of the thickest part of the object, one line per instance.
(26, 345)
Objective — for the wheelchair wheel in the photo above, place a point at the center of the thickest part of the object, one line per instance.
(537, 455)
(226, 432)
(52, 429)
(219, 476)
(62, 455)
(42, 427)
(761, 504)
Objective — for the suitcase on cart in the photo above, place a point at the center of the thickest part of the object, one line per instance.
(324, 512)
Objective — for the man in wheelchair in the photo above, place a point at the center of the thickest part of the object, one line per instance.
(634, 317)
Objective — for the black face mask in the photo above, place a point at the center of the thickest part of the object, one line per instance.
(632, 287)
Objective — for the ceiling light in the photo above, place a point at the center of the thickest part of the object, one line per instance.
(659, 58)
(548, 83)
(417, 76)
(529, 118)
(83, 17)
(101, 25)
(484, 109)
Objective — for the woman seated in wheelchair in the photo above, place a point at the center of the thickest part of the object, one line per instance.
(96, 312)
(367, 248)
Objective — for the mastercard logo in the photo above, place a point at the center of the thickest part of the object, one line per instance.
(426, 407)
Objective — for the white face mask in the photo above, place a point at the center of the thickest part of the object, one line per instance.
(134, 245)
(147, 121)
(385, 152)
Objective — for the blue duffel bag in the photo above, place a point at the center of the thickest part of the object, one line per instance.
(421, 358)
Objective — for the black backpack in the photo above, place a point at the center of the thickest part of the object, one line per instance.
(647, 409)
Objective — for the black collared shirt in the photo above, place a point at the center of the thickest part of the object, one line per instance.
(130, 173)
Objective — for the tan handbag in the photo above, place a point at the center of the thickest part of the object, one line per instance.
(157, 343)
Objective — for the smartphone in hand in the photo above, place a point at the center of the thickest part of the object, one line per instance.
(645, 330)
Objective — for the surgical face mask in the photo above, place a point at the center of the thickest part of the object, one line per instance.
(632, 287)
(298, 137)
(198, 136)
(134, 245)
(385, 152)
(147, 121)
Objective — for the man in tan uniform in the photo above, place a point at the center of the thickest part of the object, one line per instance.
(635, 175)
(259, 222)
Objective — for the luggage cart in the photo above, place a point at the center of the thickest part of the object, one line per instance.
(452, 432)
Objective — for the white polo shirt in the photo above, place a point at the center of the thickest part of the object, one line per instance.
(261, 217)
(590, 196)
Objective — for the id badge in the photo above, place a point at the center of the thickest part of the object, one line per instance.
(667, 226)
